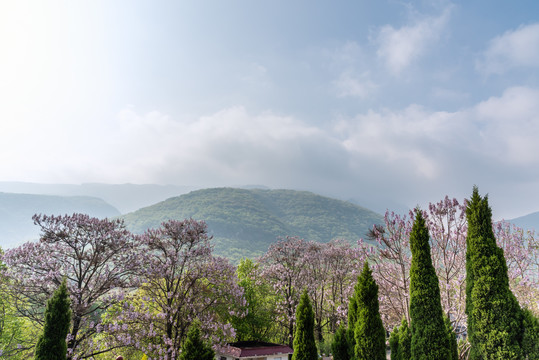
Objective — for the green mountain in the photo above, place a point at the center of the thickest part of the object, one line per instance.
(16, 211)
(244, 222)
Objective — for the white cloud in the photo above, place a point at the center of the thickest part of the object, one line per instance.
(349, 84)
(515, 48)
(399, 48)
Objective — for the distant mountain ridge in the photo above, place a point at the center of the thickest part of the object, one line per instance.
(527, 222)
(16, 211)
(244, 222)
(124, 197)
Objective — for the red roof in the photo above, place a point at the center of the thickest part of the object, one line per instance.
(254, 348)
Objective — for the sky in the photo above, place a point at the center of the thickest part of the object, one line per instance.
(390, 103)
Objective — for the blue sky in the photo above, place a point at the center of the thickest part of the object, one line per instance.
(390, 103)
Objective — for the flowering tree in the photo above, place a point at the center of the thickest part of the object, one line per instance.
(96, 256)
(283, 267)
(521, 251)
(181, 282)
(391, 265)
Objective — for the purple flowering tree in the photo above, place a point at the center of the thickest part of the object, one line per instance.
(180, 281)
(96, 256)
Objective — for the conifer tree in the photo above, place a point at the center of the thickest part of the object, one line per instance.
(52, 344)
(194, 347)
(452, 338)
(429, 336)
(340, 347)
(304, 344)
(369, 331)
(530, 339)
(394, 344)
(494, 315)
(405, 341)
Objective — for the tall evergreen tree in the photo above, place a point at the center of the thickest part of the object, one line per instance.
(494, 315)
(340, 347)
(52, 344)
(530, 339)
(429, 336)
(304, 344)
(194, 347)
(452, 338)
(369, 331)
(405, 341)
(394, 344)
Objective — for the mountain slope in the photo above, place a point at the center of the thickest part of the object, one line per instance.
(16, 211)
(245, 221)
(527, 222)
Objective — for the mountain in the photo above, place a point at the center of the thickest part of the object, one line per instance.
(527, 222)
(244, 222)
(124, 197)
(16, 211)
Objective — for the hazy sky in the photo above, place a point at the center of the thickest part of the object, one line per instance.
(386, 102)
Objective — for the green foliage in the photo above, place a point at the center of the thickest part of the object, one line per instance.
(452, 338)
(340, 347)
(530, 338)
(244, 222)
(429, 336)
(194, 347)
(304, 344)
(494, 315)
(405, 341)
(369, 333)
(52, 343)
(259, 322)
(394, 344)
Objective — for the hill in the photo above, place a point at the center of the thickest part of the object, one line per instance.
(124, 197)
(16, 211)
(245, 221)
(527, 222)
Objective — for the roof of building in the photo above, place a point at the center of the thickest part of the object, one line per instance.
(242, 349)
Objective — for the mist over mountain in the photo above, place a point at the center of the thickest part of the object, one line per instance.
(527, 222)
(244, 222)
(124, 197)
(16, 211)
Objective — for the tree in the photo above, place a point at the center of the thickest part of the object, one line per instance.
(180, 281)
(283, 268)
(394, 344)
(429, 336)
(369, 333)
(304, 344)
(98, 258)
(194, 347)
(530, 338)
(405, 341)
(340, 347)
(494, 315)
(258, 323)
(452, 338)
(52, 343)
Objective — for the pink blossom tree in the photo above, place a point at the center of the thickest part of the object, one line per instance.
(96, 256)
(180, 282)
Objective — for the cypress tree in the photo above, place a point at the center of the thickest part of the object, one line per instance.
(530, 339)
(340, 347)
(452, 338)
(304, 344)
(494, 315)
(352, 319)
(194, 347)
(429, 336)
(52, 344)
(394, 343)
(369, 331)
(405, 341)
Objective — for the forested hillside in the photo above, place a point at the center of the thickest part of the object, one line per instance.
(245, 221)
(16, 211)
